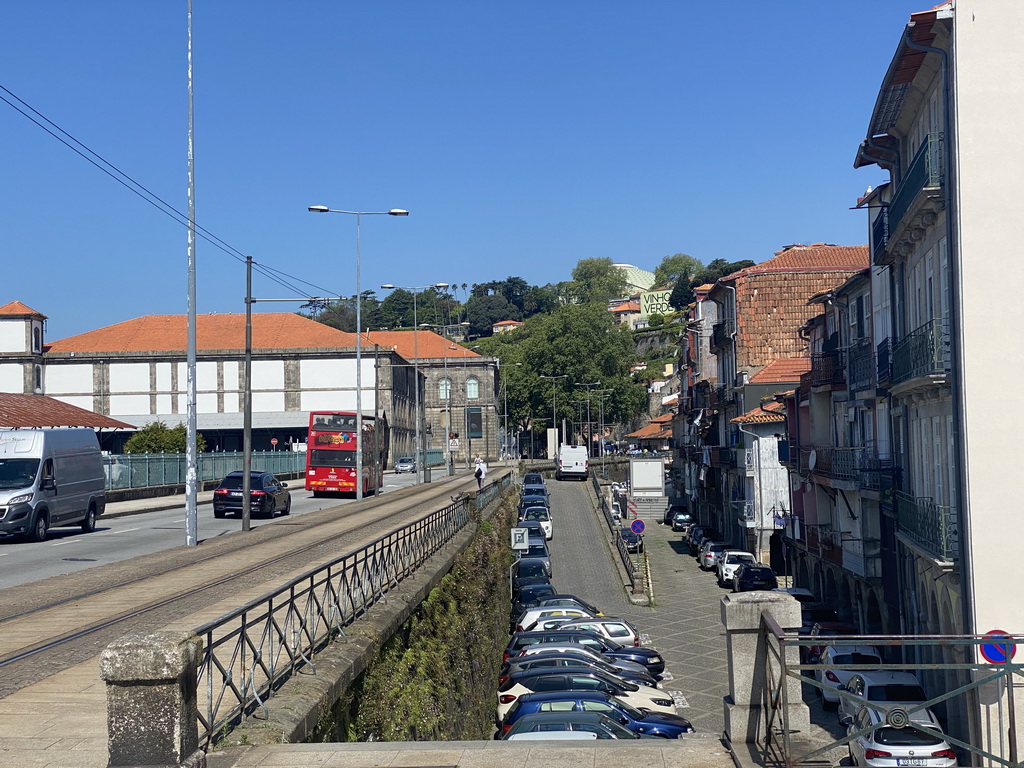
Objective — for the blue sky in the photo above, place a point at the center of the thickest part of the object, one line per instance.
(522, 136)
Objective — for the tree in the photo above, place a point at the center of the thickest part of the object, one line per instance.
(672, 268)
(157, 437)
(682, 294)
(597, 280)
(483, 312)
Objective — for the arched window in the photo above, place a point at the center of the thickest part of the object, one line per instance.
(472, 389)
(38, 379)
(37, 339)
(444, 389)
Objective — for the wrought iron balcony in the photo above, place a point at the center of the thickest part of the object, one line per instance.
(879, 236)
(933, 527)
(745, 510)
(721, 333)
(923, 352)
(875, 473)
(861, 368)
(883, 356)
(836, 463)
(723, 457)
(828, 370)
(924, 171)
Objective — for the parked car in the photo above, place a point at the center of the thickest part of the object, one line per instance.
(537, 680)
(536, 530)
(801, 594)
(574, 725)
(533, 478)
(616, 511)
(680, 520)
(563, 599)
(527, 622)
(861, 655)
(812, 613)
(534, 489)
(405, 464)
(559, 661)
(697, 538)
(528, 597)
(648, 657)
(585, 654)
(921, 743)
(616, 630)
(751, 576)
(533, 500)
(634, 542)
(268, 495)
(667, 726)
(536, 549)
(542, 516)
(707, 558)
(885, 689)
(528, 567)
(728, 561)
(821, 631)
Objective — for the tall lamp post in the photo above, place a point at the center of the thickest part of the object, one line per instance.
(359, 333)
(590, 447)
(554, 389)
(416, 366)
(449, 464)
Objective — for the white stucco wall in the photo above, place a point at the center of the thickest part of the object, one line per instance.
(81, 401)
(12, 336)
(129, 377)
(12, 378)
(268, 401)
(121, 405)
(231, 378)
(163, 377)
(62, 379)
(268, 374)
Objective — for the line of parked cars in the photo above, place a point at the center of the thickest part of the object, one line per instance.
(733, 568)
(569, 671)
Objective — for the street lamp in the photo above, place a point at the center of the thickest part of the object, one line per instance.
(449, 463)
(359, 334)
(554, 422)
(590, 448)
(416, 366)
(506, 435)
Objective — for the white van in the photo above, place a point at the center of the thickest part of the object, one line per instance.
(573, 461)
(48, 478)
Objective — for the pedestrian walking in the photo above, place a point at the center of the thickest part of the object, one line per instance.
(480, 473)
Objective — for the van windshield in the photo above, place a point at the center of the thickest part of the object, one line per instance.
(18, 473)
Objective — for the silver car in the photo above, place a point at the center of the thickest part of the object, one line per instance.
(920, 743)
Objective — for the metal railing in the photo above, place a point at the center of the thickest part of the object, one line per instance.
(142, 470)
(861, 365)
(879, 236)
(828, 369)
(883, 367)
(922, 352)
(251, 651)
(959, 683)
(933, 527)
(925, 170)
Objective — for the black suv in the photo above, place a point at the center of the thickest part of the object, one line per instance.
(269, 495)
(749, 577)
(648, 657)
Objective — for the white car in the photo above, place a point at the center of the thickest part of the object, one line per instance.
(921, 743)
(728, 562)
(532, 681)
(530, 617)
(885, 689)
(861, 655)
(618, 630)
(543, 517)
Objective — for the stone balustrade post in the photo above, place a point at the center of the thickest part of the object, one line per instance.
(746, 651)
(151, 699)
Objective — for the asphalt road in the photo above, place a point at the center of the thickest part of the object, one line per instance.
(68, 550)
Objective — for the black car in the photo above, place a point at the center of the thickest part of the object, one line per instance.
(634, 542)
(530, 597)
(536, 530)
(681, 519)
(268, 495)
(528, 571)
(648, 657)
(557, 662)
(534, 489)
(533, 478)
(749, 577)
(533, 500)
(698, 534)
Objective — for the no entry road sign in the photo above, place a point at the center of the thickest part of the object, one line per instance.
(1000, 650)
(637, 526)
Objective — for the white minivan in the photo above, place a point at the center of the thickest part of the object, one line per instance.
(48, 478)
(573, 461)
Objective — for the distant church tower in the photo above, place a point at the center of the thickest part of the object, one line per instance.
(21, 349)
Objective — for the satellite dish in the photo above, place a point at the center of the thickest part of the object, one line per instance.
(812, 459)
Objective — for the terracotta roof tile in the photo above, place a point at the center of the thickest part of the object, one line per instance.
(427, 343)
(17, 308)
(168, 333)
(782, 370)
(506, 322)
(776, 412)
(39, 411)
(810, 258)
(627, 306)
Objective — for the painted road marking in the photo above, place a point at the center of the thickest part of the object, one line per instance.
(678, 699)
(667, 677)
(645, 639)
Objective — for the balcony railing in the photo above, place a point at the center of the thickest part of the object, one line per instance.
(879, 236)
(721, 333)
(861, 368)
(923, 352)
(837, 463)
(827, 370)
(931, 526)
(925, 171)
(744, 510)
(719, 396)
(723, 457)
(875, 473)
(883, 356)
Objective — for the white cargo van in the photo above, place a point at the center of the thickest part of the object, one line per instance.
(573, 461)
(48, 478)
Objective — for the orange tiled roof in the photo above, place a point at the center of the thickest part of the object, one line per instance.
(705, 287)
(819, 257)
(784, 369)
(168, 333)
(653, 431)
(776, 412)
(427, 343)
(506, 322)
(17, 308)
(25, 411)
(627, 306)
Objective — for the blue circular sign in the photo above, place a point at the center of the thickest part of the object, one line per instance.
(637, 526)
(999, 652)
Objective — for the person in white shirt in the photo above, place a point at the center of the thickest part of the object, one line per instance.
(480, 472)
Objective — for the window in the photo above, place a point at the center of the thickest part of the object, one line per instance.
(472, 389)
(444, 389)
(37, 339)
(38, 378)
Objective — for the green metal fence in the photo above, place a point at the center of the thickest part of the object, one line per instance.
(142, 470)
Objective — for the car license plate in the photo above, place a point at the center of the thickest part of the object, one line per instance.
(236, 493)
(911, 761)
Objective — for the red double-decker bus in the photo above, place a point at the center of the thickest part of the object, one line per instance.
(331, 454)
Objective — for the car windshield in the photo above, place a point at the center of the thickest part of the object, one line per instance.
(896, 692)
(536, 514)
(536, 550)
(18, 473)
(530, 569)
(734, 559)
(235, 481)
(907, 737)
(619, 731)
(406, 460)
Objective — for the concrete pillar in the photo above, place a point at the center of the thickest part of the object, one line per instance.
(746, 651)
(151, 699)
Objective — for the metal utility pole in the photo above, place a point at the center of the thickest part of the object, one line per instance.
(191, 459)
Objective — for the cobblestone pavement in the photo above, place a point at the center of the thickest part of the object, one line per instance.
(683, 622)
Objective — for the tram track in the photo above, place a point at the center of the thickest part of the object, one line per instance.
(78, 624)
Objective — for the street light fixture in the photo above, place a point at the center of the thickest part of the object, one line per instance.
(590, 447)
(359, 334)
(554, 422)
(420, 455)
